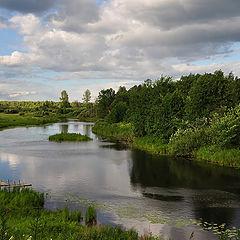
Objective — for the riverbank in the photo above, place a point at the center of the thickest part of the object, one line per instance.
(27, 120)
(22, 216)
(154, 145)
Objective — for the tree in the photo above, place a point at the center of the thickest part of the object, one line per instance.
(105, 99)
(64, 102)
(86, 96)
(208, 94)
(64, 96)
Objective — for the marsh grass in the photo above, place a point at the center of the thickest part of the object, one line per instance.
(224, 157)
(18, 120)
(69, 137)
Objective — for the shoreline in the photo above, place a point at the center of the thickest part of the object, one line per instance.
(220, 157)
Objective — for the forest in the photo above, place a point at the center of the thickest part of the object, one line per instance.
(197, 115)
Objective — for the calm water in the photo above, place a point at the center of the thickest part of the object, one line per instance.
(163, 195)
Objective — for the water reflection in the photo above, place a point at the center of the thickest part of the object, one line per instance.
(12, 159)
(110, 172)
(169, 172)
(214, 189)
(64, 128)
(86, 130)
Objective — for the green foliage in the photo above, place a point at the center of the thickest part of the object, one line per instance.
(208, 93)
(158, 122)
(123, 131)
(118, 113)
(221, 131)
(186, 142)
(86, 96)
(151, 144)
(224, 157)
(67, 215)
(224, 130)
(64, 102)
(69, 137)
(176, 117)
(91, 216)
(30, 221)
(21, 199)
(105, 99)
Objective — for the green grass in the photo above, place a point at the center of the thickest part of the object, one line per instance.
(22, 217)
(150, 144)
(123, 131)
(16, 120)
(223, 157)
(69, 137)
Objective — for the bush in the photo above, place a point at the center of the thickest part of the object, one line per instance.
(224, 129)
(186, 142)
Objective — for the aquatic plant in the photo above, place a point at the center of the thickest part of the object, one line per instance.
(69, 137)
(91, 216)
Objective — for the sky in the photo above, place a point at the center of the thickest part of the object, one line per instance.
(52, 45)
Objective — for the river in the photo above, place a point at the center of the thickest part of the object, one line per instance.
(170, 197)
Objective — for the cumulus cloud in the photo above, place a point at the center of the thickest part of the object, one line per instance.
(126, 40)
(24, 93)
(27, 6)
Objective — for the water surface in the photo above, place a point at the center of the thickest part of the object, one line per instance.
(165, 195)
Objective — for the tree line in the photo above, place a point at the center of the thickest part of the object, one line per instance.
(196, 110)
(82, 110)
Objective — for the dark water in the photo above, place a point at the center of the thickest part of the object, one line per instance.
(167, 196)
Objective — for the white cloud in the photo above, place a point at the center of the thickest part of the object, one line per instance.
(127, 40)
(24, 93)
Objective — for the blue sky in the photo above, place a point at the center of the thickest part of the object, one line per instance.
(50, 45)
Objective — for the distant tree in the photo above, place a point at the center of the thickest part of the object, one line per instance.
(64, 96)
(64, 102)
(86, 96)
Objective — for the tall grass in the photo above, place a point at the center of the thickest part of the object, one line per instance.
(224, 157)
(122, 131)
(151, 144)
(22, 217)
(69, 137)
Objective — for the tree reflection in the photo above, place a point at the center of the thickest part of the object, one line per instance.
(64, 128)
(213, 189)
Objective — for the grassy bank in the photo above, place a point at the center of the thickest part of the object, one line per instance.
(223, 157)
(22, 217)
(185, 145)
(69, 137)
(17, 120)
(121, 131)
(151, 144)
(125, 132)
